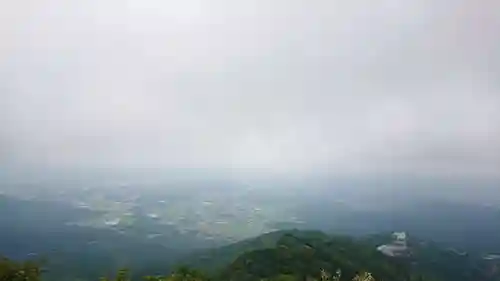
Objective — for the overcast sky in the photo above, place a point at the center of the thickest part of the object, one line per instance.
(259, 87)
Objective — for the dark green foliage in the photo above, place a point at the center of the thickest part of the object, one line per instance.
(19, 271)
(122, 275)
(213, 260)
(303, 256)
(299, 254)
(281, 256)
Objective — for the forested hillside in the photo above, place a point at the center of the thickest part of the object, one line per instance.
(283, 255)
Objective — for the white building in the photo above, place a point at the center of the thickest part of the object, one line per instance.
(399, 238)
(397, 247)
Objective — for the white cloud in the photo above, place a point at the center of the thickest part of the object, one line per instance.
(287, 87)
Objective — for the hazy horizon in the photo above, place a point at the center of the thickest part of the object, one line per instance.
(248, 90)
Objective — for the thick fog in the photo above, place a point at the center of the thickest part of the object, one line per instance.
(251, 88)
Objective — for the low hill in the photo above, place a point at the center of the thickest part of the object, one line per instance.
(302, 253)
(215, 259)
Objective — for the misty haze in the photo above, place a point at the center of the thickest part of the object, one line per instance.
(147, 133)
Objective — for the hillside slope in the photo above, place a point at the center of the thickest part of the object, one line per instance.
(213, 260)
(304, 253)
(302, 256)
